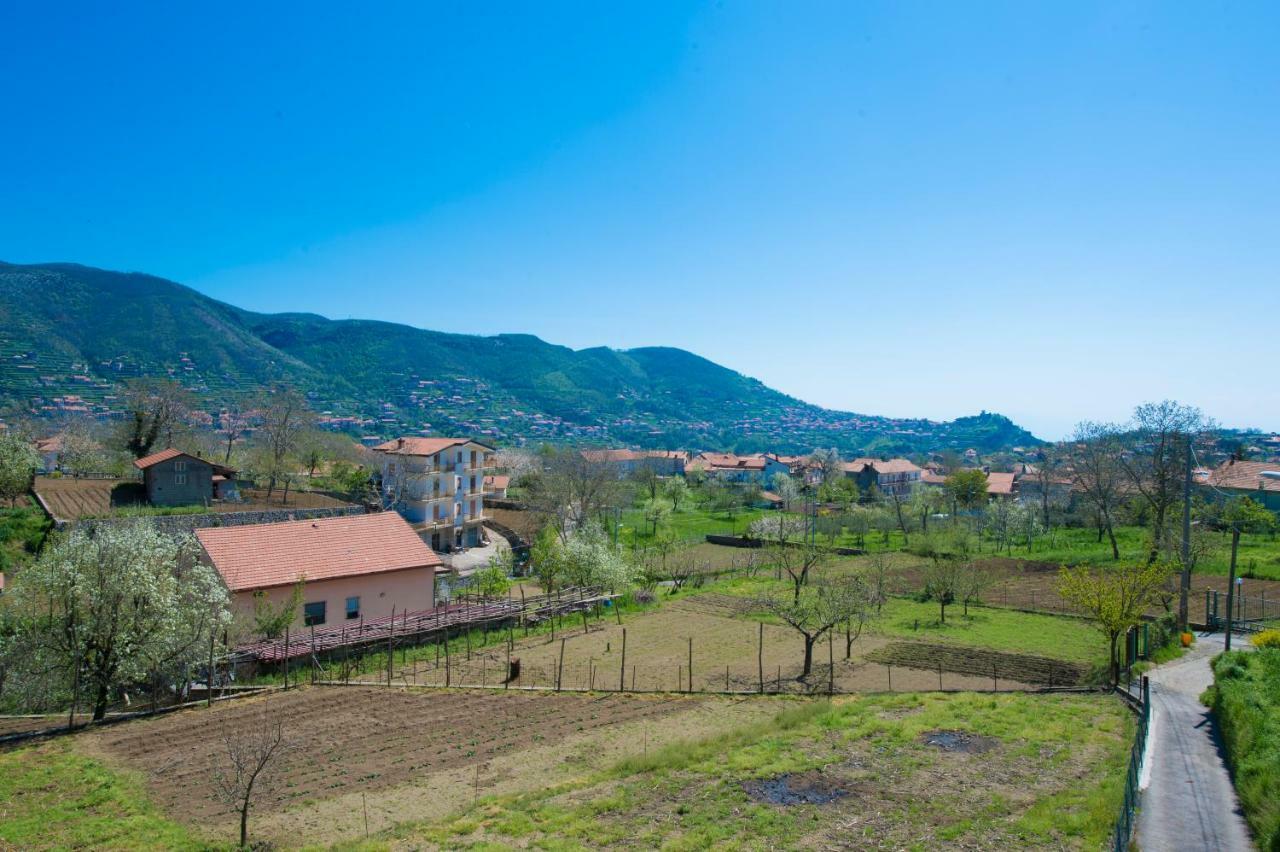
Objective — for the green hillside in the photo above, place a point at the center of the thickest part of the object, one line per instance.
(70, 334)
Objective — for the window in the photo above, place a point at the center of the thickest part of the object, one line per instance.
(313, 613)
(473, 508)
(180, 466)
(353, 607)
(179, 479)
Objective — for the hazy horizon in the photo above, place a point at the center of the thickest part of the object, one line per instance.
(909, 211)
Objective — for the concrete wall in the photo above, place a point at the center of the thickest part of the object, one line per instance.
(411, 589)
(179, 482)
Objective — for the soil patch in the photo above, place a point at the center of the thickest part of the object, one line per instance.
(959, 741)
(800, 788)
(995, 665)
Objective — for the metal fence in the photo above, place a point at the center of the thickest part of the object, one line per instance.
(1140, 699)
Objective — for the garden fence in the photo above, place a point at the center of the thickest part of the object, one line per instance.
(1139, 697)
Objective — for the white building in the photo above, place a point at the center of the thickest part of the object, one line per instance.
(437, 484)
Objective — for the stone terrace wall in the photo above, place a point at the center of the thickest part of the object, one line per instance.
(187, 523)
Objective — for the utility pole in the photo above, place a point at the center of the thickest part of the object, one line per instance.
(1231, 580)
(1185, 585)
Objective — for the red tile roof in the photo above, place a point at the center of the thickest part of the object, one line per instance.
(611, 455)
(882, 465)
(260, 556)
(171, 453)
(1246, 476)
(155, 458)
(729, 461)
(422, 446)
(1000, 483)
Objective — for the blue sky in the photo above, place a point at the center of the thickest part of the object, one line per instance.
(1054, 211)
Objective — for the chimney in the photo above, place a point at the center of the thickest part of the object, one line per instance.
(399, 443)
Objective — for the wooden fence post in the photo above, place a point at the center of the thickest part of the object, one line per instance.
(286, 658)
(560, 667)
(690, 664)
(831, 662)
(622, 673)
(760, 658)
(391, 646)
(448, 667)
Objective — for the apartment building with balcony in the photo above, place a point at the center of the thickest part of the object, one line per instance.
(437, 485)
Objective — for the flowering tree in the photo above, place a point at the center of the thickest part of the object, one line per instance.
(18, 464)
(590, 559)
(118, 605)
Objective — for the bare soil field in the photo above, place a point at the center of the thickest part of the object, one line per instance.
(406, 753)
(726, 657)
(69, 498)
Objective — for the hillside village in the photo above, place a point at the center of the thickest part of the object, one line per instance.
(463, 576)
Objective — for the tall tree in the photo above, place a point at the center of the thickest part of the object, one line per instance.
(1096, 473)
(828, 464)
(572, 489)
(1155, 461)
(967, 488)
(285, 419)
(155, 411)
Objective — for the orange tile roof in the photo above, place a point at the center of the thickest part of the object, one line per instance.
(1000, 483)
(729, 461)
(261, 556)
(1245, 476)
(422, 446)
(882, 465)
(155, 458)
(611, 455)
(172, 453)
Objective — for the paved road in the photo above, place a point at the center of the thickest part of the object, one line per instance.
(1190, 803)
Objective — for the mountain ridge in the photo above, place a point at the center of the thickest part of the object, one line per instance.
(70, 334)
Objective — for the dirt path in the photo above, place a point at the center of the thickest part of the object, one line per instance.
(1190, 803)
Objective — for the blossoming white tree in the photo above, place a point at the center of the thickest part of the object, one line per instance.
(116, 606)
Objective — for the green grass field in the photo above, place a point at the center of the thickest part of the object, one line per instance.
(691, 523)
(54, 798)
(1051, 776)
(1259, 554)
(23, 528)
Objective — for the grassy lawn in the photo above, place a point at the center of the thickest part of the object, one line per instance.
(23, 528)
(1049, 774)
(1259, 554)
(999, 629)
(1246, 702)
(692, 522)
(53, 798)
(996, 628)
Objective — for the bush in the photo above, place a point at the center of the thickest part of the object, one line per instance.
(1246, 703)
(1267, 639)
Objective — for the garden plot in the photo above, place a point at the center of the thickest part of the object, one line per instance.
(726, 657)
(400, 752)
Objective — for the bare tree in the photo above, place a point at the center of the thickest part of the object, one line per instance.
(285, 417)
(571, 489)
(252, 753)
(235, 423)
(827, 463)
(822, 606)
(974, 580)
(1096, 473)
(1156, 460)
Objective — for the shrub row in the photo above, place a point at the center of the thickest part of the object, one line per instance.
(1246, 702)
